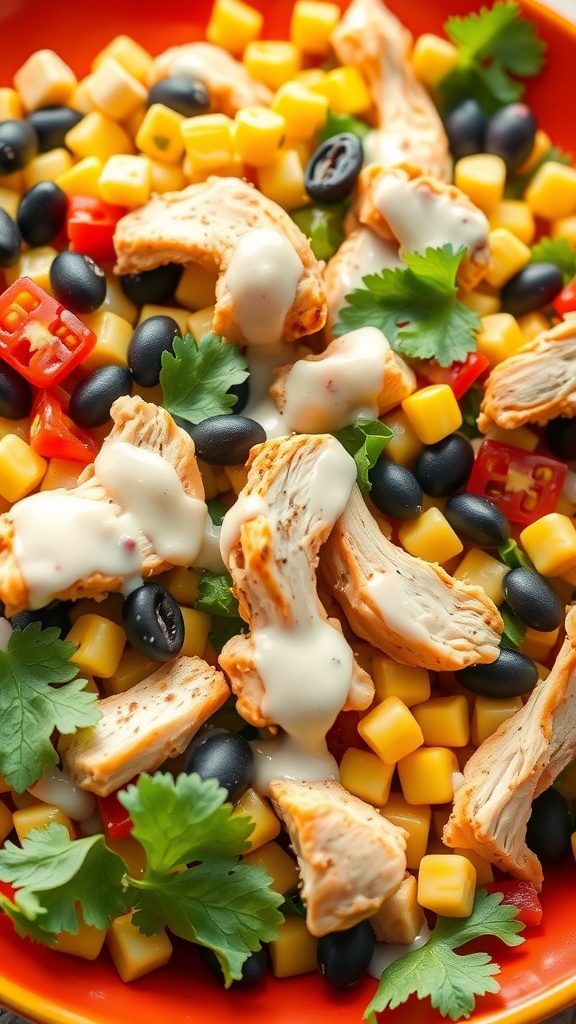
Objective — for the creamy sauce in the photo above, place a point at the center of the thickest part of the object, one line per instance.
(396, 606)
(421, 218)
(285, 758)
(384, 148)
(209, 556)
(387, 953)
(262, 278)
(262, 361)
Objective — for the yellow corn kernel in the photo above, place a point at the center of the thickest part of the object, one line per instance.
(100, 644)
(135, 954)
(81, 179)
(6, 824)
(432, 58)
(520, 437)
(22, 800)
(259, 132)
(110, 608)
(87, 942)
(133, 57)
(430, 537)
(182, 583)
(508, 256)
(538, 644)
(488, 715)
(404, 446)
(446, 884)
(159, 134)
(391, 730)
(237, 476)
(347, 91)
(531, 325)
(4, 787)
(181, 316)
(550, 543)
(131, 851)
(114, 91)
(444, 721)
(304, 111)
(133, 123)
(196, 288)
(200, 322)
(117, 302)
(208, 141)
(44, 80)
(14, 180)
(482, 177)
(271, 62)
(132, 668)
(294, 951)
(80, 98)
(10, 105)
(283, 180)
(39, 815)
(113, 335)
(312, 25)
(35, 264)
(517, 217)
(552, 192)
(281, 867)
(209, 480)
(19, 427)
(267, 826)
(542, 146)
(565, 507)
(98, 135)
(483, 868)
(196, 629)
(21, 469)
(481, 302)
(233, 25)
(391, 679)
(499, 337)
(47, 166)
(9, 201)
(433, 413)
(565, 227)
(166, 177)
(415, 820)
(61, 473)
(365, 775)
(426, 775)
(125, 180)
(479, 569)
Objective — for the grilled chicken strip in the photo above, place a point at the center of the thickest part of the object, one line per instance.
(212, 222)
(351, 859)
(404, 606)
(535, 385)
(361, 253)
(140, 729)
(409, 129)
(513, 766)
(230, 86)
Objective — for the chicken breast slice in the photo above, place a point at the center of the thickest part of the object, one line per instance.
(211, 222)
(408, 126)
(513, 766)
(230, 86)
(351, 859)
(362, 252)
(535, 385)
(143, 727)
(410, 609)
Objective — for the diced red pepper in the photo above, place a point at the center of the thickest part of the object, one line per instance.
(39, 337)
(54, 435)
(8, 891)
(90, 227)
(566, 301)
(522, 895)
(524, 485)
(343, 734)
(115, 818)
(459, 376)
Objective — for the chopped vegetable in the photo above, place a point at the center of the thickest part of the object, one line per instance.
(524, 485)
(195, 379)
(216, 598)
(557, 251)
(512, 555)
(323, 228)
(364, 440)
(338, 123)
(514, 629)
(523, 896)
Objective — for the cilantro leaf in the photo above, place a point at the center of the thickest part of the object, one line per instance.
(338, 123)
(38, 693)
(512, 555)
(450, 980)
(416, 308)
(25, 928)
(364, 440)
(195, 378)
(514, 629)
(557, 251)
(216, 511)
(216, 598)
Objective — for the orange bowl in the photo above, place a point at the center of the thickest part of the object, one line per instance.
(537, 978)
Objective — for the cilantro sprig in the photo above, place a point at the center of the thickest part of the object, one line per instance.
(196, 378)
(215, 597)
(450, 980)
(416, 308)
(364, 440)
(557, 251)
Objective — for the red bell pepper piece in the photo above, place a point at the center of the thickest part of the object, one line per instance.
(459, 376)
(115, 818)
(522, 895)
(39, 337)
(54, 435)
(90, 227)
(566, 301)
(524, 485)
(8, 891)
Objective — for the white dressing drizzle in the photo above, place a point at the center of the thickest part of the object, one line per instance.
(386, 953)
(262, 278)
(209, 556)
(396, 607)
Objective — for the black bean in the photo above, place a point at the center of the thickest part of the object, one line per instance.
(187, 96)
(42, 213)
(511, 675)
(155, 286)
(10, 240)
(253, 968)
(15, 393)
(55, 614)
(226, 440)
(344, 957)
(150, 339)
(224, 756)
(77, 281)
(153, 622)
(51, 125)
(18, 144)
(443, 468)
(333, 168)
(561, 438)
(510, 134)
(477, 520)
(549, 828)
(93, 396)
(395, 490)
(465, 127)
(533, 287)
(533, 599)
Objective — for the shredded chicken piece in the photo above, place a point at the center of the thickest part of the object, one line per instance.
(400, 918)
(273, 565)
(513, 766)
(535, 385)
(230, 86)
(361, 253)
(409, 129)
(408, 608)
(140, 729)
(351, 859)
(203, 224)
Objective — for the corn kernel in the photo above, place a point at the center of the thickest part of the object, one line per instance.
(35, 264)
(508, 256)
(520, 437)
(281, 867)
(482, 177)
(272, 62)
(347, 91)
(131, 851)
(538, 644)
(44, 80)
(565, 227)
(133, 57)
(135, 954)
(365, 775)
(500, 337)
(9, 201)
(233, 25)
(19, 427)
(415, 820)
(404, 446)
(183, 584)
(550, 543)
(181, 316)
(517, 217)
(196, 629)
(391, 679)
(304, 111)
(430, 537)
(81, 179)
(312, 25)
(391, 730)
(15, 180)
(61, 473)
(446, 884)
(267, 826)
(481, 302)
(283, 180)
(208, 141)
(479, 569)
(426, 775)
(258, 135)
(87, 942)
(166, 177)
(47, 166)
(80, 98)
(488, 715)
(237, 477)
(294, 950)
(433, 413)
(132, 668)
(432, 58)
(117, 302)
(552, 192)
(21, 469)
(200, 322)
(39, 815)
(11, 108)
(542, 146)
(126, 180)
(114, 91)
(113, 335)
(99, 136)
(110, 608)
(483, 868)
(196, 288)
(100, 644)
(6, 824)
(444, 721)
(159, 134)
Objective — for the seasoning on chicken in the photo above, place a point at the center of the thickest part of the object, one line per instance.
(351, 859)
(267, 269)
(535, 385)
(409, 129)
(513, 766)
(230, 86)
(141, 728)
(410, 609)
(400, 918)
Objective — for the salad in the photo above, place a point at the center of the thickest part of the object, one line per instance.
(287, 541)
